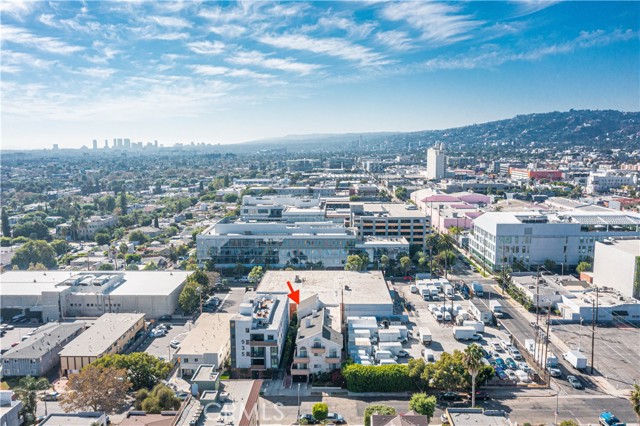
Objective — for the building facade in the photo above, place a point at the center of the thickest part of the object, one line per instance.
(617, 265)
(275, 244)
(605, 180)
(258, 334)
(109, 334)
(39, 354)
(436, 162)
(389, 220)
(318, 345)
(502, 239)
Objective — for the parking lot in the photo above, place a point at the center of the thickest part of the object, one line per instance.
(442, 333)
(617, 351)
(14, 336)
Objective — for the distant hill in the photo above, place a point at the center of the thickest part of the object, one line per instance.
(604, 129)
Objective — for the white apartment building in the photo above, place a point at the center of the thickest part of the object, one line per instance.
(617, 266)
(318, 345)
(604, 180)
(281, 208)
(206, 343)
(275, 244)
(436, 162)
(86, 229)
(258, 333)
(501, 238)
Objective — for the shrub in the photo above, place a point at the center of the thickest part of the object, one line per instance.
(384, 378)
(320, 411)
(377, 409)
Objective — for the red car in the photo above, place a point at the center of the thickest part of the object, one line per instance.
(14, 344)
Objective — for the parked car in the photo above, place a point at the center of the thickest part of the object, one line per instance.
(336, 418)
(555, 372)
(50, 396)
(444, 419)
(158, 333)
(575, 382)
(308, 419)
(482, 396)
(511, 375)
(511, 363)
(9, 327)
(166, 326)
(165, 318)
(402, 353)
(449, 396)
(174, 344)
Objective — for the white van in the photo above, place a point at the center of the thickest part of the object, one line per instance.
(413, 288)
(428, 355)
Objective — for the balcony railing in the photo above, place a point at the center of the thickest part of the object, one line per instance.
(318, 349)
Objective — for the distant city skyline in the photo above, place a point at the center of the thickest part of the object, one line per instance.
(223, 73)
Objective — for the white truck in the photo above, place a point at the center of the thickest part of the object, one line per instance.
(576, 359)
(496, 308)
(465, 333)
(425, 336)
(433, 290)
(389, 335)
(380, 355)
(447, 289)
(477, 325)
(393, 347)
(424, 292)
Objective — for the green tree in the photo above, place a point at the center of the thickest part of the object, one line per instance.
(384, 262)
(416, 370)
(161, 398)
(189, 299)
(106, 267)
(138, 236)
(405, 264)
(379, 409)
(102, 239)
(320, 411)
(423, 404)
(122, 202)
(473, 363)
(132, 267)
(583, 267)
(132, 258)
(255, 275)
(635, 399)
(26, 391)
(570, 422)
(401, 193)
(96, 388)
(151, 266)
(35, 251)
(6, 227)
(354, 263)
(60, 247)
(143, 370)
(230, 198)
(156, 224)
(200, 277)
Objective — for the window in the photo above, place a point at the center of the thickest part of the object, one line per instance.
(186, 360)
(246, 330)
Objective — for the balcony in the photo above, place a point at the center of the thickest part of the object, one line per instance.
(299, 371)
(303, 359)
(263, 342)
(332, 359)
(318, 350)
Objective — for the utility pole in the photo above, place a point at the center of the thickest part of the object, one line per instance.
(537, 335)
(546, 345)
(594, 320)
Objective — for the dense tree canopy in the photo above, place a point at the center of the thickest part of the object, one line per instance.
(35, 251)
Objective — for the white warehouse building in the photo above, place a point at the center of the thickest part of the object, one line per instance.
(55, 295)
(502, 238)
(617, 266)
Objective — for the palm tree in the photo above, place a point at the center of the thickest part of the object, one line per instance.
(635, 399)
(384, 262)
(26, 392)
(472, 359)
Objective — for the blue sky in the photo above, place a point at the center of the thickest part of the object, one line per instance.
(225, 72)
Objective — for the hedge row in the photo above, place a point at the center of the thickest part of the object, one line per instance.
(383, 378)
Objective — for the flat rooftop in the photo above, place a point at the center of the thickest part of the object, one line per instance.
(206, 372)
(476, 417)
(32, 283)
(209, 335)
(101, 335)
(71, 419)
(631, 246)
(391, 210)
(150, 283)
(361, 287)
(44, 340)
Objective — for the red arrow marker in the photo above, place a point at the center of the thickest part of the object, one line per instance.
(294, 295)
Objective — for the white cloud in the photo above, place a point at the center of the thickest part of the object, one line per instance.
(96, 72)
(171, 36)
(209, 69)
(260, 59)
(335, 47)
(352, 28)
(206, 47)
(212, 70)
(168, 21)
(18, 60)
(18, 9)
(228, 30)
(20, 36)
(396, 40)
(439, 23)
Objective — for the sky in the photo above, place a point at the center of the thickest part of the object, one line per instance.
(228, 72)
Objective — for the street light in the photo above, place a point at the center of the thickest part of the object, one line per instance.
(298, 401)
(580, 338)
